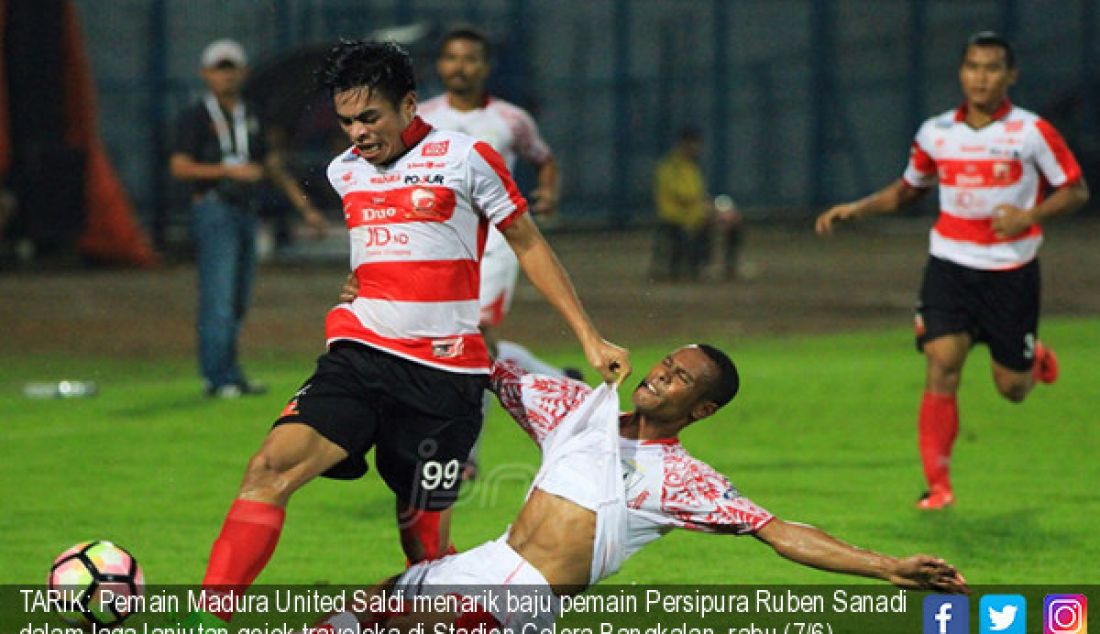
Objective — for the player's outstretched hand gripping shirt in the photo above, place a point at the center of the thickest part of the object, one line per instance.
(418, 228)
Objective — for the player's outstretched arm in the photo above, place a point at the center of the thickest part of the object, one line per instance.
(889, 199)
(548, 276)
(813, 547)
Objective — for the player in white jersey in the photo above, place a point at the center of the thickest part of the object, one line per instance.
(611, 483)
(463, 66)
(406, 365)
(994, 163)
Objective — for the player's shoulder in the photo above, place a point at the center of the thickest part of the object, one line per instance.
(1023, 119)
(440, 143)
(505, 107)
(434, 104)
(342, 163)
(941, 121)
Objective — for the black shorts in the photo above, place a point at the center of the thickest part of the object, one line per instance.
(422, 420)
(1000, 308)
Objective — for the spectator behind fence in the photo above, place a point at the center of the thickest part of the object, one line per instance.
(220, 149)
(687, 220)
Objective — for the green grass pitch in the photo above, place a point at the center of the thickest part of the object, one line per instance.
(822, 432)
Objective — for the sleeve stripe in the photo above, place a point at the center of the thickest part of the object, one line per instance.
(1061, 151)
(501, 170)
(922, 161)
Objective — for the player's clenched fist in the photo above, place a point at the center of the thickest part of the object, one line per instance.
(611, 361)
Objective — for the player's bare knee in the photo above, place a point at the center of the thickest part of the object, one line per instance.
(1014, 391)
(264, 478)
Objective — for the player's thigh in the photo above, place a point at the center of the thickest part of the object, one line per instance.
(427, 437)
(944, 307)
(295, 453)
(341, 405)
(1009, 317)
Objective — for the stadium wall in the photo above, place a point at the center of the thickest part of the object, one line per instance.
(810, 101)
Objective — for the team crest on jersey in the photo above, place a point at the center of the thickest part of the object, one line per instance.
(1014, 126)
(423, 200)
(447, 348)
(435, 148)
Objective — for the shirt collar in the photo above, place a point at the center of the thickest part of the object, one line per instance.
(412, 134)
(1001, 111)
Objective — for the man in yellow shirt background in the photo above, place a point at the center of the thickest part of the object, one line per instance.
(686, 215)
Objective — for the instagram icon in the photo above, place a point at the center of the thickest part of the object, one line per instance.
(1065, 614)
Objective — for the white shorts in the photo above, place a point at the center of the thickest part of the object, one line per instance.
(499, 271)
(494, 570)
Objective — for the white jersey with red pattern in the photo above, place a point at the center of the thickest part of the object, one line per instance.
(1010, 161)
(663, 486)
(418, 228)
(508, 128)
(513, 133)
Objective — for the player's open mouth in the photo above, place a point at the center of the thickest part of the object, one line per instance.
(649, 387)
(370, 148)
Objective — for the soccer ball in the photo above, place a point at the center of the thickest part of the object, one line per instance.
(83, 572)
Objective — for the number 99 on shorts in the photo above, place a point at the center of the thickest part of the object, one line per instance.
(436, 475)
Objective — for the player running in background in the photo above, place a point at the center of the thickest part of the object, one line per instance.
(993, 162)
(465, 106)
(406, 365)
(611, 483)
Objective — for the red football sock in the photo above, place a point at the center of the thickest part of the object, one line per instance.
(938, 427)
(248, 538)
(423, 529)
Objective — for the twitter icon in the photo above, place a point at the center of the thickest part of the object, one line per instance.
(1002, 614)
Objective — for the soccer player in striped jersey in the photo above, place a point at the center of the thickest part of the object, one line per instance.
(406, 364)
(466, 106)
(993, 162)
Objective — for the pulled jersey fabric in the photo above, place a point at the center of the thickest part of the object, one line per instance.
(660, 485)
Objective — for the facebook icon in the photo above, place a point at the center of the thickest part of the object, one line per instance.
(946, 614)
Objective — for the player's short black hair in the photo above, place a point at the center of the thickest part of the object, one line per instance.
(466, 32)
(377, 66)
(725, 386)
(990, 38)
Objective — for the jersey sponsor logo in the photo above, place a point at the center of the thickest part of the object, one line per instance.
(1014, 126)
(423, 179)
(972, 148)
(426, 165)
(435, 148)
(447, 348)
(383, 237)
(404, 204)
(383, 179)
(979, 173)
(423, 200)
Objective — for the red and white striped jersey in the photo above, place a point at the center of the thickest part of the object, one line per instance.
(417, 229)
(1010, 161)
(665, 487)
(503, 125)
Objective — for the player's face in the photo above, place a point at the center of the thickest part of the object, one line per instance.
(463, 66)
(224, 81)
(985, 76)
(675, 386)
(373, 124)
